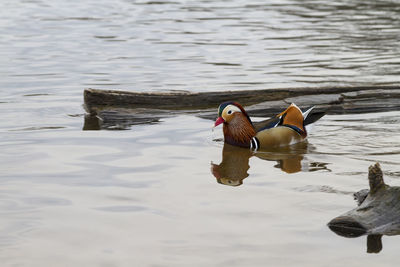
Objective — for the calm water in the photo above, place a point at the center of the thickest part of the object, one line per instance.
(162, 194)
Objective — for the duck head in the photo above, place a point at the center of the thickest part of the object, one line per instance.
(237, 126)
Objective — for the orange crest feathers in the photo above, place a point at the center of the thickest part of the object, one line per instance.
(293, 116)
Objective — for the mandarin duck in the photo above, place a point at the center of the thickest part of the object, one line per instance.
(287, 128)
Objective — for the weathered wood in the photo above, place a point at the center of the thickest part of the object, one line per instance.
(95, 99)
(377, 214)
(119, 109)
(375, 179)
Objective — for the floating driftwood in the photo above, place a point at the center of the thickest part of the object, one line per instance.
(120, 109)
(378, 212)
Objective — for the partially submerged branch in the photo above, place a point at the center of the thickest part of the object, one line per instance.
(375, 178)
(121, 109)
(378, 212)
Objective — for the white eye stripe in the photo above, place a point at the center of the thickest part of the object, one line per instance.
(231, 109)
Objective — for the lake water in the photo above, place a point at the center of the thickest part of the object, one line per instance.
(161, 194)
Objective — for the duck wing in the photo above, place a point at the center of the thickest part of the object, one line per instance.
(310, 116)
(266, 124)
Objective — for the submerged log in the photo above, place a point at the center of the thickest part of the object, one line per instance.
(122, 108)
(378, 212)
(96, 99)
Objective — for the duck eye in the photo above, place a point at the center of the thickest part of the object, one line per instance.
(230, 112)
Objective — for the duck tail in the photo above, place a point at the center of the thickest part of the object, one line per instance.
(311, 116)
(305, 113)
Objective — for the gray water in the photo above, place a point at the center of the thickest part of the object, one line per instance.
(148, 196)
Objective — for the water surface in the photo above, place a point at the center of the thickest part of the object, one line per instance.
(149, 196)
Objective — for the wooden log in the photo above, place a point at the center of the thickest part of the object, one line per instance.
(96, 99)
(121, 109)
(377, 214)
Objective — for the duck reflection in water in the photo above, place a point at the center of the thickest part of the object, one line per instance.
(234, 166)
